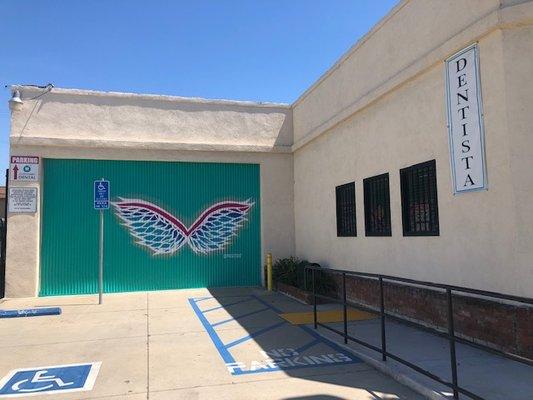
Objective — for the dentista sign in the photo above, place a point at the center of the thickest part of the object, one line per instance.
(465, 121)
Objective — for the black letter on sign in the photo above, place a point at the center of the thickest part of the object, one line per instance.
(466, 145)
(463, 111)
(469, 179)
(460, 96)
(462, 80)
(459, 67)
(464, 130)
(467, 162)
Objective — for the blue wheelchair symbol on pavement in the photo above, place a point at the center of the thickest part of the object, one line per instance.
(45, 380)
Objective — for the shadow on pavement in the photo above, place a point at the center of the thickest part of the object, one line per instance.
(252, 339)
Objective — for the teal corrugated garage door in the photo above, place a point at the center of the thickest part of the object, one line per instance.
(172, 225)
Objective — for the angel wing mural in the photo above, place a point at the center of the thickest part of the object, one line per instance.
(163, 233)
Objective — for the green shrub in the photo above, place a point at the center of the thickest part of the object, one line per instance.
(292, 271)
(285, 270)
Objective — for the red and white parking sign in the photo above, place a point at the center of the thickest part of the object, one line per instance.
(24, 168)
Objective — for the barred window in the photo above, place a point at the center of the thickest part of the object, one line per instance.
(377, 205)
(420, 214)
(345, 198)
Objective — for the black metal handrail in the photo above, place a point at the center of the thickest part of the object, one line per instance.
(3, 234)
(449, 334)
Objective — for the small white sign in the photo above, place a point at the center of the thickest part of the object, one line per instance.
(22, 200)
(465, 121)
(24, 168)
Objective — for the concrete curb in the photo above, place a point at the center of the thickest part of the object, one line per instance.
(394, 373)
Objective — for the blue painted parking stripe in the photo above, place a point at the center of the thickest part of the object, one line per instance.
(237, 370)
(274, 308)
(30, 312)
(330, 343)
(255, 334)
(226, 305)
(233, 296)
(222, 350)
(199, 299)
(240, 316)
(307, 346)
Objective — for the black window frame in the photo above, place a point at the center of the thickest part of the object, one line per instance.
(424, 173)
(345, 210)
(377, 193)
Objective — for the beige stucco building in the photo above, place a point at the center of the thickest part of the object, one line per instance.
(379, 109)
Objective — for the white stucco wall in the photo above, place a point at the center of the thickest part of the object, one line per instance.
(107, 119)
(518, 64)
(382, 108)
(92, 125)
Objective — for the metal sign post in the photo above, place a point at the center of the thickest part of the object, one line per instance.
(101, 203)
(101, 259)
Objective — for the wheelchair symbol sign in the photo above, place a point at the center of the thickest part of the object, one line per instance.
(101, 195)
(52, 379)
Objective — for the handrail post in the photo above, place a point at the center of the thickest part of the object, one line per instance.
(314, 300)
(382, 313)
(344, 310)
(451, 335)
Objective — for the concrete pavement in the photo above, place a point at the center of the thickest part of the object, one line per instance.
(154, 346)
(489, 376)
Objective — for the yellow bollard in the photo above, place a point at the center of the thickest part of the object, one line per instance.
(269, 272)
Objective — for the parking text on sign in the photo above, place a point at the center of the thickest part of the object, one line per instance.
(24, 168)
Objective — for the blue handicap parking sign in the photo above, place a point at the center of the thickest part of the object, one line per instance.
(101, 195)
(53, 379)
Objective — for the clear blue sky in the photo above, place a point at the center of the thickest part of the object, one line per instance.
(262, 50)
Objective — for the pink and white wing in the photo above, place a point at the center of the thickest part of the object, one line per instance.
(214, 229)
(152, 226)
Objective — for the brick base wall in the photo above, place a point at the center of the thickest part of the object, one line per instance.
(503, 326)
(296, 293)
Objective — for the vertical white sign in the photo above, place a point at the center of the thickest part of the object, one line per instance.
(465, 121)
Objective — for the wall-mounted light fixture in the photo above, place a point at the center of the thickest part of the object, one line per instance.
(15, 103)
